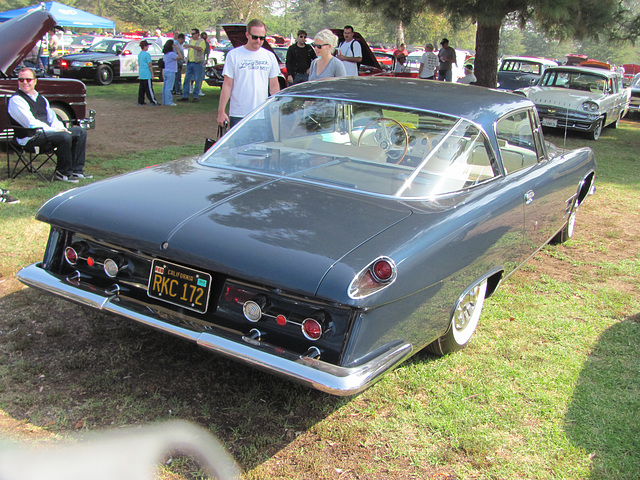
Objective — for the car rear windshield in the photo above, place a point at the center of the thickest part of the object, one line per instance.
(364, 147)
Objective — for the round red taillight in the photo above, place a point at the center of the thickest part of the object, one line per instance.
(311, 329)
(382, 271)
(70, 255)
(90, 261)
(281, 320)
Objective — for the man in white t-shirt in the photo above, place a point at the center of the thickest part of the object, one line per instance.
(350, 52)
(428, 64)
(250, 74)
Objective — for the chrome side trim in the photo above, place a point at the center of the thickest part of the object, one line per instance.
(306, 370)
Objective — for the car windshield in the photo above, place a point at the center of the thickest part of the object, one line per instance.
(364, 147)
(588, 82)
(83, 40)
(107, 46)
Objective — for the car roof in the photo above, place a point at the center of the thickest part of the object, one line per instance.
(577, 69)
(543, 61)
(477, 104)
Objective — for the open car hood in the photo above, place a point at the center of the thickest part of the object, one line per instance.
(236, 35)
(19, 35)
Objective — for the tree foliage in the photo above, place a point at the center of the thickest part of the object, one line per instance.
(558, 19)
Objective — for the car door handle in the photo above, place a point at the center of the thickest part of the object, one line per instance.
(528, 197)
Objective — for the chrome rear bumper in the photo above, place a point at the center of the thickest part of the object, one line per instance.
(299, 368)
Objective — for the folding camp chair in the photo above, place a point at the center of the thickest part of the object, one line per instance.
(29, 158)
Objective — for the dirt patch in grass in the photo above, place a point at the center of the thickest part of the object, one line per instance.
(124, 128)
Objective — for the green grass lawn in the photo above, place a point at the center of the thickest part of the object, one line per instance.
(548, 388)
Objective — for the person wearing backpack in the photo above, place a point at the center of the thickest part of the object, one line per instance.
(350, 52)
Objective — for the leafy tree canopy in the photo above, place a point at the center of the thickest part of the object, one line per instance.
(558, 19)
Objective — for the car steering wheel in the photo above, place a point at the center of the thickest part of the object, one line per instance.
(389, 135)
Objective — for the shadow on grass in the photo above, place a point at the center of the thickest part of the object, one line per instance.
(604, 415)
(67, 368)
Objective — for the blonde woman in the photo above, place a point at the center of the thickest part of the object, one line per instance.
(326, 65)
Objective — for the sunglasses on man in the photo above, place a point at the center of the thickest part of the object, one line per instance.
(257, 37)
(26, 79)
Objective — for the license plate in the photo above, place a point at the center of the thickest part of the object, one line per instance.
(549, 122)
(56, 71)
(179, 285)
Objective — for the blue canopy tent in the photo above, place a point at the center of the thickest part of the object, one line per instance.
(65, 16)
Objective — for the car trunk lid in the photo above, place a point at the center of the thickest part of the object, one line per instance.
(278, 232)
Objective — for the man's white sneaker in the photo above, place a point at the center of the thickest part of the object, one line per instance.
(64, 178)
(81, 176)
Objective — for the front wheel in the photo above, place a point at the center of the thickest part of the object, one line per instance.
(595, 135)
(616, 124)
(63, 114)
(463, 321)
(104, 75)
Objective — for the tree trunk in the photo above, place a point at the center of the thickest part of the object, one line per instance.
(486, 61)
(399, 33)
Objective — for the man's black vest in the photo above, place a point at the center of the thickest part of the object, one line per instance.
(38, 107)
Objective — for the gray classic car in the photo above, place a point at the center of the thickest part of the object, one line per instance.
(331, 234)
(579, 98)
(520, 72)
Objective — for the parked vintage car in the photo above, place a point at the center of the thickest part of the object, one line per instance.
(105, 61)
(340, 228)
(634, 103)
(521, 72)
(18, 36)
(585, 99)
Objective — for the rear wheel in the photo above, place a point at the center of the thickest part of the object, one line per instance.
(463, 321)
(567, 231)
(104, 75)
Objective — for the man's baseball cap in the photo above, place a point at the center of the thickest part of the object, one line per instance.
(144, 43)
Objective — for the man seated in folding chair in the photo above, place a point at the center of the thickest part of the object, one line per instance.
(29, 109)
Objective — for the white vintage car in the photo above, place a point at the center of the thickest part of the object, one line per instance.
(579, 98)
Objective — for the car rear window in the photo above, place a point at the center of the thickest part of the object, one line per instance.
(364, 147)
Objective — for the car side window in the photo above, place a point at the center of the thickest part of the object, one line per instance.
(516, 142)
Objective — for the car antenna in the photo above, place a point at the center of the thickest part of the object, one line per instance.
(566, 127)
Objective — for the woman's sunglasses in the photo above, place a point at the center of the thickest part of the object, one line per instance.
(316, 45)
